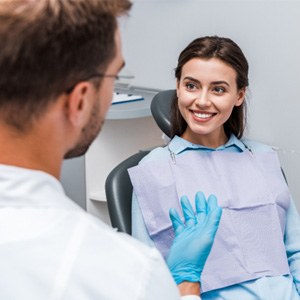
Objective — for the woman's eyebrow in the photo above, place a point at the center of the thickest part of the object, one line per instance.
(212, 83)
(191, 78)
(220, 82)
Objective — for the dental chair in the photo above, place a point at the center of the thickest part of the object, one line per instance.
(118, 187)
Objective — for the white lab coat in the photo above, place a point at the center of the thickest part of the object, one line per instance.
(51, 249)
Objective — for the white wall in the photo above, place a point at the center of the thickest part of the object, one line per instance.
(73, 180)
(269, 34)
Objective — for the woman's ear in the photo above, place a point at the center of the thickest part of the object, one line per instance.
(77, 103)
(241, 97)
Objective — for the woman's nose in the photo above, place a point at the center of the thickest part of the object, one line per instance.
(203, 99)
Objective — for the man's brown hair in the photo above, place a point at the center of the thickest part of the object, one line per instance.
(49, 45)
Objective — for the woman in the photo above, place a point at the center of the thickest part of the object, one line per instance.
(256, 253)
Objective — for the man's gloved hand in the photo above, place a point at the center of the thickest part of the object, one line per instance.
(194, 238)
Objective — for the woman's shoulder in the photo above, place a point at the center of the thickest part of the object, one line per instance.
(257, 146)
(158, 153)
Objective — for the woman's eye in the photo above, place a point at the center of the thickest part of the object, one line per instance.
(190, 86)
(219, 90)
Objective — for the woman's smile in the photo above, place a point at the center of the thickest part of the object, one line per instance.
(202, 116)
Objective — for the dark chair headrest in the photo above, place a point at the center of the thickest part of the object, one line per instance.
(161, 110)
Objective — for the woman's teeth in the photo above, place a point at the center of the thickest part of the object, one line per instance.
(203, 115)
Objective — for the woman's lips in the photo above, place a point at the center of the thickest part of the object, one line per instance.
(202, 116)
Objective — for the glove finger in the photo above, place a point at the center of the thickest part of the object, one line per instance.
(188, 212)
(177, 224)
(201, 207)
(212, 222)
(212, 203)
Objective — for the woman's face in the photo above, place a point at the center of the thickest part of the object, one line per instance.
(207, 93)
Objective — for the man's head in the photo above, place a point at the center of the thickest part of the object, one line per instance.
(48, 47)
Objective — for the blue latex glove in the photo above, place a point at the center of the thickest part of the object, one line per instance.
(194, 238)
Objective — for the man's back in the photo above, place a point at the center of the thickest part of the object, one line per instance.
(51, 249)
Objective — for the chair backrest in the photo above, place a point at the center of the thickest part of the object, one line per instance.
(118, 187)
(161, 108)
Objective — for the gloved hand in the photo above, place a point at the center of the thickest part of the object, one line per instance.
(194, 239)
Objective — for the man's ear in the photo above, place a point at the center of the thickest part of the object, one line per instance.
(77, 104)
(241, 97)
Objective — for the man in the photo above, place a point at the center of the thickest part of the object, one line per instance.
(58, 63)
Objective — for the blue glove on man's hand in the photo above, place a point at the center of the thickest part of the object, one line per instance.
(194, 238)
